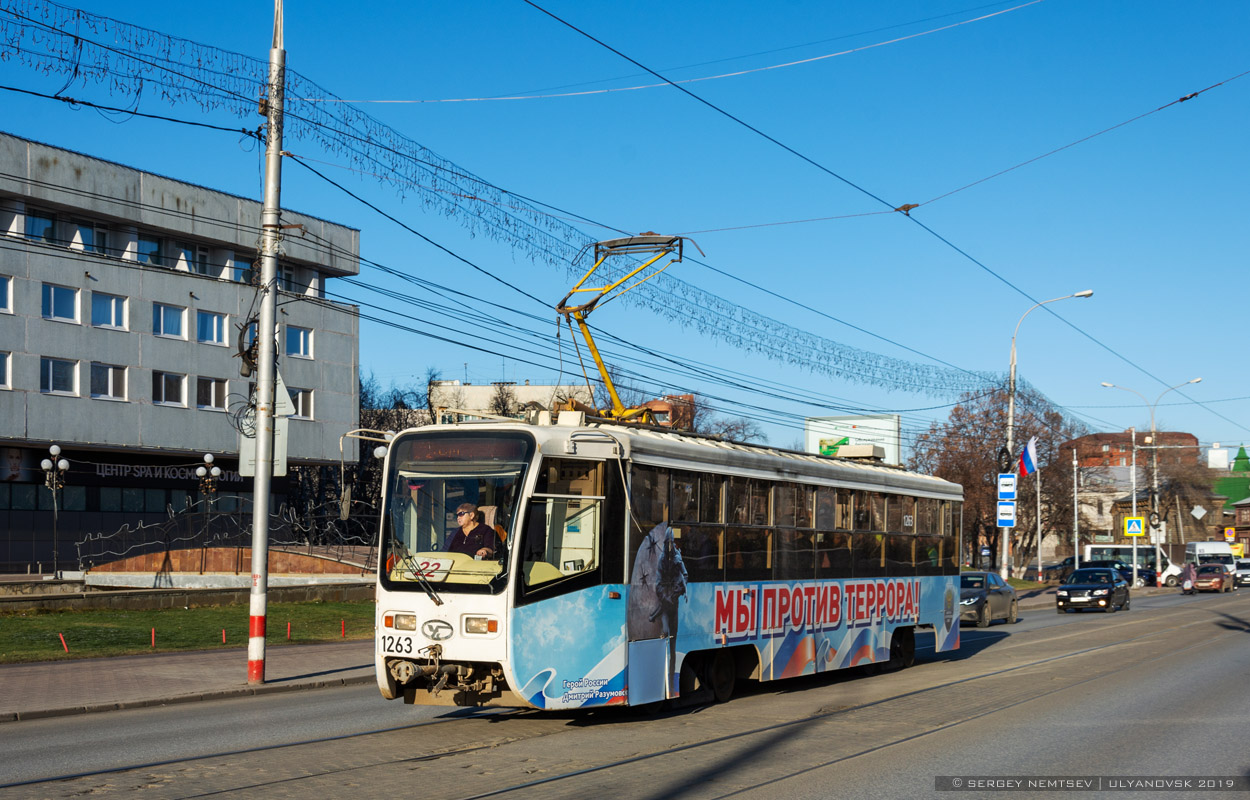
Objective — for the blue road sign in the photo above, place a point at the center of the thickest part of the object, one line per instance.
(1006, 513)
(1006, 486)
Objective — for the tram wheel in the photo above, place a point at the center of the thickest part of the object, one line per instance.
(902, 649)
(722, 674)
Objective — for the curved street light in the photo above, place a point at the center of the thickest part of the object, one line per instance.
(1003, 534)
(1154, 456)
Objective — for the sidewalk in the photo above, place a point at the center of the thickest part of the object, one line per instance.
(57, 688)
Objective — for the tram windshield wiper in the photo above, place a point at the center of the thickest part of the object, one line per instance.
(405, 559)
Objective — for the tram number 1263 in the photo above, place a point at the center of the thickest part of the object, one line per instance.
(397, 644)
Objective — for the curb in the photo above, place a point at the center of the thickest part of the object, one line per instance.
(221, 694)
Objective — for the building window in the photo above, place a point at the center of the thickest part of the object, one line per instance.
(210, 393)
(167, 320)
(298, 342)
(195, 257)
(240, 270)
(302, 400)
(5, 359)
(40, 226)
(108, 311)
(6, 289)
(60, 303)
(1106, 448)
(148, 250)
(167, 388)
(286, 278)
(210, 328)
(58, 376)
(108, 381)
(91, 237)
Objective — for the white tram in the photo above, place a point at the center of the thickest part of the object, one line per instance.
(634, 565)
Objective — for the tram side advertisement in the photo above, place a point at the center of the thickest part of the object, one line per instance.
(796, 628)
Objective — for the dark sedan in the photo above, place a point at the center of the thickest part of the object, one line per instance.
(1145, 575)
(984, 597)
(1100, 588)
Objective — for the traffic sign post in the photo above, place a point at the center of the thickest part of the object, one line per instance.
(1006, 513)
(1006, 486)
(1135, 528)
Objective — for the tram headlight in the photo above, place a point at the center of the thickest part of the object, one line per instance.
(481, 625)
(405, 622)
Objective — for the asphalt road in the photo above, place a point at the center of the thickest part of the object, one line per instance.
(1155, 691)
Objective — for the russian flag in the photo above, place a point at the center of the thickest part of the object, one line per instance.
(1028, 457)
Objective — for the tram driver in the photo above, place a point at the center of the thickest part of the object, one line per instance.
(473, 537)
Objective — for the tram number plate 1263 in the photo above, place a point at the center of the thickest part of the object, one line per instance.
(401, 645)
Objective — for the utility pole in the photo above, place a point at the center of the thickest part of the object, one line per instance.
(270, 221)
(1076, 513)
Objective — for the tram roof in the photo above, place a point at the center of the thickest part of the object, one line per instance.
(670, 447)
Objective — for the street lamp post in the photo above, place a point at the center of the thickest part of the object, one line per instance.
(1154, 457)
(1011, 413)
(208, 475)
(54, 478)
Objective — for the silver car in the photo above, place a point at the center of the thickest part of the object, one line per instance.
(1242, 576)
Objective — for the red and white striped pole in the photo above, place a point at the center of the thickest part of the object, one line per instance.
(271, 225)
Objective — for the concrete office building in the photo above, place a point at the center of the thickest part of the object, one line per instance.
(122, 298)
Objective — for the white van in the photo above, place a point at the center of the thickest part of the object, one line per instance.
(1170, 574)
(1211, 553)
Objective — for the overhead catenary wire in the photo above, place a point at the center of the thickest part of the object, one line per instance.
(862, 190)
(223, 73)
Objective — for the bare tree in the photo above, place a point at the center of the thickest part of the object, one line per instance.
(700, 419)
(503, 401)
(964, 450)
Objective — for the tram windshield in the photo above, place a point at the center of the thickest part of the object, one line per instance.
(431, 478)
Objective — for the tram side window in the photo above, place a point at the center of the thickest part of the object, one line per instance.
(748, 554)
(760, 506)
(900, 555)
(684, 494)
(783, 498)
(795, 557)
(805, 501)
(563, 535)
(845, 519)
(739, 502)
(869, 553)
(826, 518)
(894, 515)
(929, 555)
(926, 511)
(710, 498)
(907, 514)
(862, 511)
(649, 496)
(833, 555)
(702, 551)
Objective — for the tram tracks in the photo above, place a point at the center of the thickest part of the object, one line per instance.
(470, 763)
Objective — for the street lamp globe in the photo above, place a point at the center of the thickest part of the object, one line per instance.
(200, 472)
(55, 450)
(46, 464)
(62, 465)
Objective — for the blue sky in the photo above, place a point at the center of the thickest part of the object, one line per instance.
(1146, 215)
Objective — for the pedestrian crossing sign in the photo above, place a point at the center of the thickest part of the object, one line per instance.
(1134, 526)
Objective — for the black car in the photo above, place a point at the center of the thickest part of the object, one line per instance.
(1100, 588)
(984, 597)
(1145, 575)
